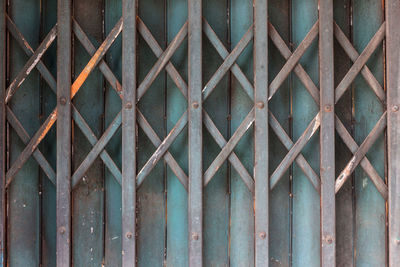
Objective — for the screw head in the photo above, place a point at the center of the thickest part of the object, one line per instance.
(62, 230)
(195, 105)
(328, 108)
(263, 235)
(195, 236)
(395, 108)
(329, 239)
(128, 105)
(260, 105)
(129, 235)
(63, 101)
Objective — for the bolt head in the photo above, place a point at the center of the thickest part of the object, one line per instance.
(195, 105)
(128, 105)
(395, 108)
(263, 235)
(260, 105)
(62, 230)
(328, 108)
(63, 101)
(195, 236)
(129, 235)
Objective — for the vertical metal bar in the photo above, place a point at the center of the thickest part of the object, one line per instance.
(261, 132)
(195, 134)
(327, 134)
(393, 102)
(129, 133)
(64, 134)
(2, 132)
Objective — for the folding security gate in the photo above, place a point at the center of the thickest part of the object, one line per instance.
(200, 133)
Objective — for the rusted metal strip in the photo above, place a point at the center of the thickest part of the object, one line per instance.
(228, 63)
(51, 119)
(261, 148)
(129, 82)
(24, 44)
(41, 160)
(233, 158)
(195, 205)
(162, 61)
(295, 151)
(293, 60)
(228, 148)
(64, 10)
(91, 137)
(361, 151)
(91, 49)
(360, 63)
(31, 63)
(169, 159)
(393, 97)
(300, 160)
(298, 69)
(3, 212)
(96, 150)
(223, 52)
(327, 133)
(364, 163)
(353, 55)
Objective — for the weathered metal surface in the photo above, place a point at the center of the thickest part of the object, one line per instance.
(244, 190)
(64, 149)
(393, 96)
(3, 141)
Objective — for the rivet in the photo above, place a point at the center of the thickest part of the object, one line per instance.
(62, 230)
(260, 105)
(195, 236)
(328, 108)
(395, 108)
(263, 235)
(329, 239)
(195, 105)
(397, 241)
(129, 235)
(128, 105)
(63, 101)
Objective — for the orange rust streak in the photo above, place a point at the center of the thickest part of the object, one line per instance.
(47, 128)
(85, 73)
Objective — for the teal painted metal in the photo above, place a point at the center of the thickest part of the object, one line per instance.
(228, 197)
(23, 199)
(306, 215)
(370, 206)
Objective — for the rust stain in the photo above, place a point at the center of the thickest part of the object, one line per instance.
(53, 118)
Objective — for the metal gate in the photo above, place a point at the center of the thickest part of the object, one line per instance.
(200, 133)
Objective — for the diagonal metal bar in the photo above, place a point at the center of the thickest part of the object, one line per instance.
(162, 148)
(41, 160)
(169, 159)
(228, 62)
(223, 52)
(300, 160)
(46, 126)
(31, 63)
(298, 69)
(91, 137)
(293, 60)
(157, 50)
(364, 163)
(233, 158)
(24, 44)
(361, 151)
(353, 55)
(53, 85)
(304, 77)
(96, 150)
(181, 84)
(162, 61)
(104, 68)
(228, 148)
(91, 49)
(295, 151)
(360, 62)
